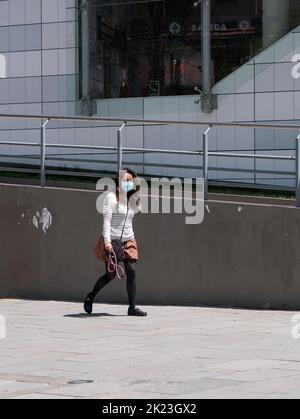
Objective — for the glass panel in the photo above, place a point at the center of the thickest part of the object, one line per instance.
(153, 47)
(33, 37)
(4, 39)
(17, 38)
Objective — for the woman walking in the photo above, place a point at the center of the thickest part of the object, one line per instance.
(118, 213)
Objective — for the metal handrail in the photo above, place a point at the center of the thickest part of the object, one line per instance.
(154, 150)
(205, 153)
(150, 122)
(250, 156)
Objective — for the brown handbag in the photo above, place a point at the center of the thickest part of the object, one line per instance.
(98, 250)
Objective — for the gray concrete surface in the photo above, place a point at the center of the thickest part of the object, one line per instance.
(242, 255)
(176, 352)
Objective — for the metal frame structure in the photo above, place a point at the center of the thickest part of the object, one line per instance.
(209, 101)
(121, 150)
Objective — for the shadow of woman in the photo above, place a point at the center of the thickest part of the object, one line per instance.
(85, 315)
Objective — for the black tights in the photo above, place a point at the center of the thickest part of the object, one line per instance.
(108, 277)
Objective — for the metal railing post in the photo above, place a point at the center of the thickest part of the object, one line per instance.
(208, 99)
(120, 147)
(298, 171)
(85, 57)
(43, 154)
(205, 162)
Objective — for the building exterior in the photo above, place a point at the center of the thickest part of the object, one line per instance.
(142, 59)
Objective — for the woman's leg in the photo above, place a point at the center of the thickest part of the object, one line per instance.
(101, 283)
(131, 281)
(130, 266)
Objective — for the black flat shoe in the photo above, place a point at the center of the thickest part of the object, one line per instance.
(136, 312)
(88, 304)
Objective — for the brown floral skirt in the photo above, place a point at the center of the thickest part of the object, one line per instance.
(130, 249)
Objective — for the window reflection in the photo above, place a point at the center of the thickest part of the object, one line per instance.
(153, 47)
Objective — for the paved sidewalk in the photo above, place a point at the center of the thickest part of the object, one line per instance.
(176, 352)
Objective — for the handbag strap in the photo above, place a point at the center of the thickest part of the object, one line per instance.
(113, 265)
(124, 222)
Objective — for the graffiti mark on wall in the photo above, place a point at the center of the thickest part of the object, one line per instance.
(41, 220)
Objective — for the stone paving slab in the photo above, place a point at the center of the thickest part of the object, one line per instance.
(176, 352)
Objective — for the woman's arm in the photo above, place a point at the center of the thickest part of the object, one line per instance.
(108, 207)
(139, 205)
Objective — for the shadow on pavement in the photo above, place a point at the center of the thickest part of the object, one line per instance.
(84, 315)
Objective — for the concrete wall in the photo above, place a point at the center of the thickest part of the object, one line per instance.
(242, 255)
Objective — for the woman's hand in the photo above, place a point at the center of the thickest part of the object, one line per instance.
(108, 247)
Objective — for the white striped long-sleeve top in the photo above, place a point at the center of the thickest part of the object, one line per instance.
(114, 214)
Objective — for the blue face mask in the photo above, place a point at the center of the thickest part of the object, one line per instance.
(128, 186)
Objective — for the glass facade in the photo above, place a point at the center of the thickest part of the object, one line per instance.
(38, 43)
(143, 48)
(39, 72)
